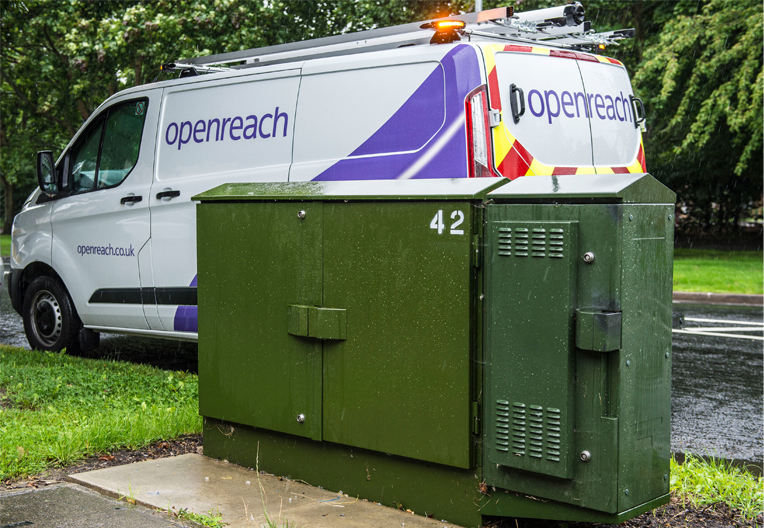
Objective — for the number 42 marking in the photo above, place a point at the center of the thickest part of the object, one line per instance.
(437, 222)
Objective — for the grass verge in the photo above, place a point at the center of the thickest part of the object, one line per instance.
(700, 482)
(706, 270)
(211, 519)
(56, 409)
(5, 245)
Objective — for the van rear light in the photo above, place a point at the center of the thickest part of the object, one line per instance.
(479, 149)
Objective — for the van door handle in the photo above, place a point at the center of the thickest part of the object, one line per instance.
(131, 199)
(639, 117)
(168, 194)
(513, 89)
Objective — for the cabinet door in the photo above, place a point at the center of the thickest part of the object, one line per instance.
(256, 260)
(400, 382)
(531, 300)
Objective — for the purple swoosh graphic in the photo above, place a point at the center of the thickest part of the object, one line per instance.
(186, 317)
(462, 75)
(414, 123)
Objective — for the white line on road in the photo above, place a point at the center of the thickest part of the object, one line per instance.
(722, 321)
(724, 329)
(717, 334)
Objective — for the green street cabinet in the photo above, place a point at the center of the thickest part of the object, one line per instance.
(470, 349)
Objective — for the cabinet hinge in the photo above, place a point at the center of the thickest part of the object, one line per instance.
(475, 418)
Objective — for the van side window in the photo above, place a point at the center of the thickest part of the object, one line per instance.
(84, 159)
(109, 149)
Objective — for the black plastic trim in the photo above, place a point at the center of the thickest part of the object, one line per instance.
(164, 296)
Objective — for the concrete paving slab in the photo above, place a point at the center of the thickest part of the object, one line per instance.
(71, 505)
(202, 484)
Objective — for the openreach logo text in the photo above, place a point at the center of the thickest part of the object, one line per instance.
(579, 104)
(227, 129)
(108, 251)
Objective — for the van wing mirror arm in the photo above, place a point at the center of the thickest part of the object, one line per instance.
(46, 173)
(513, 90)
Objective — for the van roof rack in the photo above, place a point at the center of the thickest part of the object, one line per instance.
(562, 26)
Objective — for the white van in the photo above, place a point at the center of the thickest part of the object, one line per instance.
(108, 241)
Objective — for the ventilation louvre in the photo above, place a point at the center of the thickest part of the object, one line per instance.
(535, 431)
(532, 241)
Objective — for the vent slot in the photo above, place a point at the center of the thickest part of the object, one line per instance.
(556, 243)
(518, 429)
(521, 242)
(505, 241)
(502, 425)
(536, 431)
(553, 421)
(538, 242)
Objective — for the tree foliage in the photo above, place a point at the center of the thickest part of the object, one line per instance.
(697, 64)
(703, 81)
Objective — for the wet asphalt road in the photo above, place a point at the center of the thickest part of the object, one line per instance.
(717, 391)
(717, 402)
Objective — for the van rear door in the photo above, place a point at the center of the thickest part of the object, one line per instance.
(548, 132)
(616, 137)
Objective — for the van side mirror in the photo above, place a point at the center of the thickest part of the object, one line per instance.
(46, 173)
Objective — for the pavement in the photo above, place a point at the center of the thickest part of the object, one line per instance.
(719, 298)
(72, 505)
(198, 484)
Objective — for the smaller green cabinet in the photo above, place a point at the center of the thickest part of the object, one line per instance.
(577, 339)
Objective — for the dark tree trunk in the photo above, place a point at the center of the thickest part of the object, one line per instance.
(7, 205)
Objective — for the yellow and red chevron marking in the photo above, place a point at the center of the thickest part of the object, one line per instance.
(638, 166)
(511, 158)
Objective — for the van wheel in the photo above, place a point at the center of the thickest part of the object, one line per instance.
(50, 321)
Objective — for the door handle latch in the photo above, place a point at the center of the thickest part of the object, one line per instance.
(130, 199)
(513, 91)
(598, 331)
(169, 193)
(639, 112)
(317, 322)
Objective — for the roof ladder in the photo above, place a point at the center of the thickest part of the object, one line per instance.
(562, 26)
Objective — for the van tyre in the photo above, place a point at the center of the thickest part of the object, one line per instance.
(50, 321)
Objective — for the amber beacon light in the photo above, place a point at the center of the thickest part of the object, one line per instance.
(446, 31)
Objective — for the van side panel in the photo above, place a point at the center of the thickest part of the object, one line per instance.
(421, 135)
(240, 127)
(338, 111)
(211, 132)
